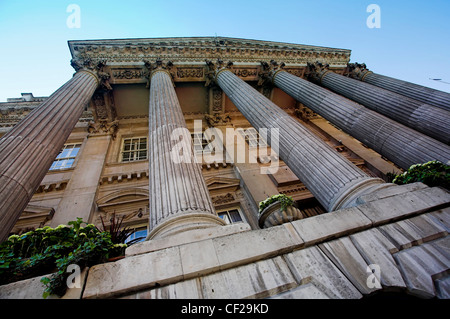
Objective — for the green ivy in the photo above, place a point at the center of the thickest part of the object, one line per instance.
(47, 249)
(432, 173)
(285, 201)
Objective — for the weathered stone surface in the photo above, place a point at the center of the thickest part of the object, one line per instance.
(255, 245)
(345, 256)
(418, 265)
(188, 289)
(390, 191)
(306, 291)
(256, 280)
(134, 273)
(413, 231)
(33, 289)
(442, 216)
(199, 258)
(404, 205)
(312, 262)
(377, 250)
(186, 237)
(332, 225)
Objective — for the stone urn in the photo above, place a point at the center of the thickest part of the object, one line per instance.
(273, 215)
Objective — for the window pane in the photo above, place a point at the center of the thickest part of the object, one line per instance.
(235, 216)
(142, 155)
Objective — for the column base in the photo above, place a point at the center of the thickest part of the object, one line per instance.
(349, 195)
(185, 222)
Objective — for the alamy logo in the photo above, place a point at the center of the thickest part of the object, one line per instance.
(374, 19)
(74, 279)
(74, 19)
(374, 279)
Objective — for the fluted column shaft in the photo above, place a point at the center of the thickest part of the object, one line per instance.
(414, 91)
(29, 149)
(332, 179)
(179, 197)
(430, 120)
(400, 144)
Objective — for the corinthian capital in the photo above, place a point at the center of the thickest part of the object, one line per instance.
(159, 65)
(269, 70)
(214, 68)
(357, 70)
(96, 67)
(317, 70)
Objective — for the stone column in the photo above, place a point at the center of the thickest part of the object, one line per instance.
(179, 197)
(400, 144)
(29, 149)
(430, 120)
(331, 178)
(414, 91)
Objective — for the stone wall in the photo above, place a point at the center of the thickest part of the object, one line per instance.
(401, 230)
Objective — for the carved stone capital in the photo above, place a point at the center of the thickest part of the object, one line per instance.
(95, 67)
(159, 66)
(269, 70)
(316, 71)
(357, 70)
(214, 69)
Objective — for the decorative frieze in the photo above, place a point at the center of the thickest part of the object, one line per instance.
(201, 48)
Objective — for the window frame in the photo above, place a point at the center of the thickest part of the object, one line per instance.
(135, 152)
(227, 210)
(69, 157)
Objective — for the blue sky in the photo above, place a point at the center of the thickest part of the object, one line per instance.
(412, 44)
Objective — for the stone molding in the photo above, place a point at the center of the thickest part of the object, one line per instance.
(198, 49)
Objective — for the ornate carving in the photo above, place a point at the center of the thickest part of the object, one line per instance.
(218, 119)
(269, 70)
(223, 199)
(193, 49)
(189, 72)
(214, 69)
(159, 65)
(304, 113)
(317, 70)
(244, 73)
(104, 127)
(128, 74)
(216, 102)
(357, 71)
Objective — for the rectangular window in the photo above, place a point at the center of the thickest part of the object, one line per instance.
(66, 157)
(252, 137)
(200, 143)
(134, 149)
(230, 216)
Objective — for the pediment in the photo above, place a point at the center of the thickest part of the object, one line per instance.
(123, 196)
(222, 184)
(33, 217)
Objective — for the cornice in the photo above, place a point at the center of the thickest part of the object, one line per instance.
(191, 50)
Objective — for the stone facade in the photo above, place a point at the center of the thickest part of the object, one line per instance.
(131, 95)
